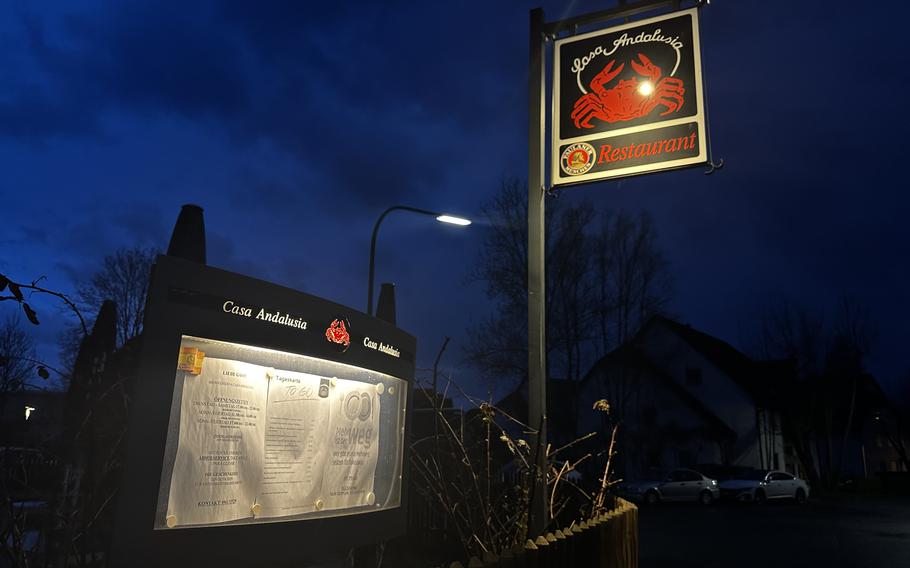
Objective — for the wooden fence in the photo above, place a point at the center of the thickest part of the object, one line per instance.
(609, 541)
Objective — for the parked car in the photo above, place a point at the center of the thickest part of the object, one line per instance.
(761, 485)
(678, 485)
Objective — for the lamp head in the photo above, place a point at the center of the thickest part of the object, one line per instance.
(452, 220)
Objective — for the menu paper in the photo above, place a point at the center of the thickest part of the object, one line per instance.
(219, 457)
(262, 442)
(297, 426)
(354, 442)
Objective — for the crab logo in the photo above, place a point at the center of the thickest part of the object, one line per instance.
(338, 334)
(577, 159)
(629, 98)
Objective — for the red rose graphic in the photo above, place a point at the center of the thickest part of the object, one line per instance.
(338, 333)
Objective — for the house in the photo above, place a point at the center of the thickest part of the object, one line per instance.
(876, 440)
(31, 424)
(684, 398)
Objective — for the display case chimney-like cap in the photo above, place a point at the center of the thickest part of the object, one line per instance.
(188, 238)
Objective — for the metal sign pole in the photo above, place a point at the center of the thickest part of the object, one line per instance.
(537, 359)
(537, 356)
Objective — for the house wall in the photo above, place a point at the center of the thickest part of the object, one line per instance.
(659, 429)
(758, 431)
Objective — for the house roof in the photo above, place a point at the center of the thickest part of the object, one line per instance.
(630, 356)
(747, 373)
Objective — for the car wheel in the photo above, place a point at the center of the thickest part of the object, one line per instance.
(760, 497)
(800, 496)
(706, 498)
(652, 498)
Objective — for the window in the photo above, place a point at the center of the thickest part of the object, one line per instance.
(780, 477)
(683, 475)
(693, 376)
(677, 476)
(692, 476)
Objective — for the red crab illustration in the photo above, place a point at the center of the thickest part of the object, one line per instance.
(628, 99)
(337, 333)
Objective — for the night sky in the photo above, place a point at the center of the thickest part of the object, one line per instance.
(295, 124)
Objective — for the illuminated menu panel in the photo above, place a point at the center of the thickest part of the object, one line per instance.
(258, 435)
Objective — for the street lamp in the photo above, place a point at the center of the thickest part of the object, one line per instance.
(441, 217)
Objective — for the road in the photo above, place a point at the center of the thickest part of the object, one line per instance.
(847, 532)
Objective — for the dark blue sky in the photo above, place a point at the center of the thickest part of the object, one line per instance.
(294, 125)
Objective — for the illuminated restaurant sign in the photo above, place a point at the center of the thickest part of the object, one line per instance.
(628, 100)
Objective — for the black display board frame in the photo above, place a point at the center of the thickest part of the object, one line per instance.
(187, 298)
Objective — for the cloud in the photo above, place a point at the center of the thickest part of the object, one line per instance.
(142, 57)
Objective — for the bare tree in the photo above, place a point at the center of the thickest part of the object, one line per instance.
(123, 278)
(570, 313)
(497, 347)
(829, 354)
(895, 421)
(603, 282)
(790, 331)
(17, 357)
(632, 275)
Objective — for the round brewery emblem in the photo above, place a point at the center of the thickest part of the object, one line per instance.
(339, 334)
(577, 158)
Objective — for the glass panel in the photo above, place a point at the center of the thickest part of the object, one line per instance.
(258, 435)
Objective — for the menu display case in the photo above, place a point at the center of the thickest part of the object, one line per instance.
(261, 416)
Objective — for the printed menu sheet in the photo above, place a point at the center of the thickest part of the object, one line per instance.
(297, 428)
(261, 442)
(353, 446)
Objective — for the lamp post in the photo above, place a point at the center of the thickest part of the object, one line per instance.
(441, 217)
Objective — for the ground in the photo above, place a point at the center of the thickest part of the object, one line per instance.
(845, 532)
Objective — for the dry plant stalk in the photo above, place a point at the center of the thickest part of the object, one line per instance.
(484, 491)
(597, 505)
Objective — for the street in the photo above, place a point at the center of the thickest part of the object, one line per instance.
(850, 531)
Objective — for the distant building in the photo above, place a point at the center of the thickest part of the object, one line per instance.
(31, 424)
(686, 398)
(31, 418)
(869, 449)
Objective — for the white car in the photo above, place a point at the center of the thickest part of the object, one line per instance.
(761, 485)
